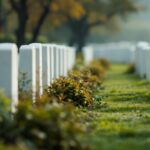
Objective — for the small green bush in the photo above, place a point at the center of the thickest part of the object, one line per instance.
(104, 63)
(91, 75)
(130, 69)
(91, 82)
(97, 71)
(70, 90)
(98, 68)
(4, 103)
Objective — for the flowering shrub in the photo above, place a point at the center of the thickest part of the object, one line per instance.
(104, 63)
(79, 87)
(69, 90)
(97, 71)
(88, 80)
(130, 69)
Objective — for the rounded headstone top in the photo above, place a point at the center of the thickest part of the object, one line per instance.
(37, 45)
(142, 44)
(8, 46)
(146, 47)
(27, 47)
(45, 44)
(53, 46)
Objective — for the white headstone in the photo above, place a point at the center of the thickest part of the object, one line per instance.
(51, 48)
(65, 54)
(46, 65)
(56, 62)
(27, 65)
(61, 60)
(87, 54)
(69, 57)
(147, 59)
(142, 67)
(9, 72)
(73, 56)
(39, 82)
(145, 52)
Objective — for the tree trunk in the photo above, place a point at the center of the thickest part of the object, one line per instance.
(72, 40)
(20, 32)
(1, 17)
(81, 43)
(40, 22)
(80, 31)
(21, 9)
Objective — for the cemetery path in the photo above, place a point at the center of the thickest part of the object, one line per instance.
(123, 121)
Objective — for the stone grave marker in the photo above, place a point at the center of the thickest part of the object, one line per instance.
(46, 65)
(56, 62)
(39, 70)
(27, 66)
(9, 72)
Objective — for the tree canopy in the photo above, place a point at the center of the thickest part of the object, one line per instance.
(98, 12)
(29, 16)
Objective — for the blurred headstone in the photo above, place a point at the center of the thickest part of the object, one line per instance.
(39, 70)
(9, 72)
(27, 66)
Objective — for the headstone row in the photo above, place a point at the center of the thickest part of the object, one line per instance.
(121, 52)
(41, 64)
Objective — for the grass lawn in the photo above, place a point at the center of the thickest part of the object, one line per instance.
(123, 122)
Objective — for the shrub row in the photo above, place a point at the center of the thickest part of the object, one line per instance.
(79, 87)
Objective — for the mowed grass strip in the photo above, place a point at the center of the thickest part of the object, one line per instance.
(123, 123)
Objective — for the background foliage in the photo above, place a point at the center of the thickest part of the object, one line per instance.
(25, 21)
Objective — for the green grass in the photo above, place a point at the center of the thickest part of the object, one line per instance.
(123, 123)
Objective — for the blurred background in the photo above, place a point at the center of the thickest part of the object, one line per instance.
(135, 28)
(74, 22)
